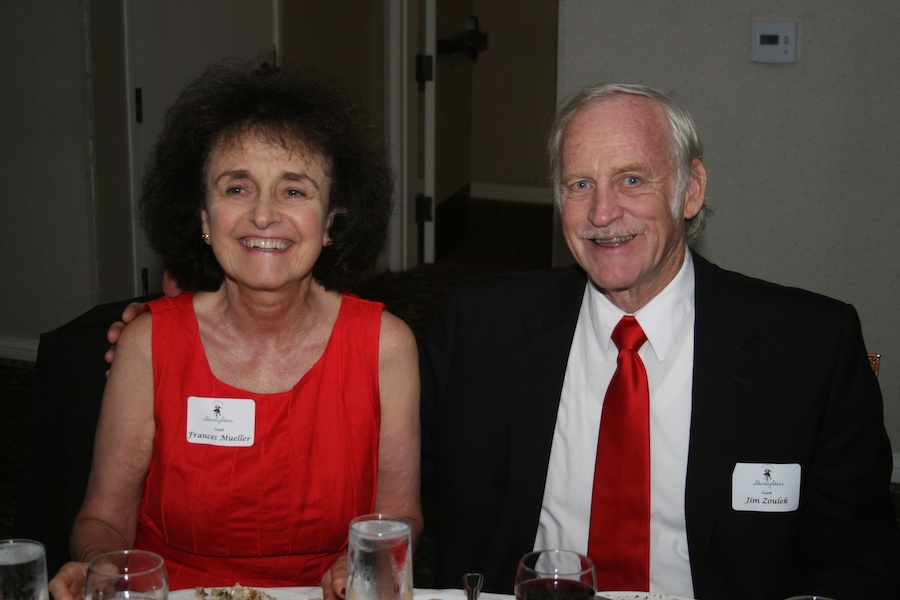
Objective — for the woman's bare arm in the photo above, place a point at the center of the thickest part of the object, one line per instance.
(399, 442)
(123, 446)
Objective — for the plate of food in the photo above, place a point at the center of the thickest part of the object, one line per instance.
(240, 592)
(636, 596)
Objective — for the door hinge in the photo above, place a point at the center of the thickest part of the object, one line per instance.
(138, 105)
(423, 209)
(424, 68)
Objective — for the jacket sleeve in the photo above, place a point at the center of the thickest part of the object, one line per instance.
(849, 534)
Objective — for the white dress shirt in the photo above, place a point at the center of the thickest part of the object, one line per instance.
(668, 322)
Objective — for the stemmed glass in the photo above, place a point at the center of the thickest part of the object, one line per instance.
(555, 575)
(134, 574)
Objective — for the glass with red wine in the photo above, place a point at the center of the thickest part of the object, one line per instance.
(555, 575)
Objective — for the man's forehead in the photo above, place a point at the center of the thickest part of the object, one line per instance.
(626, 130)
(628, 114)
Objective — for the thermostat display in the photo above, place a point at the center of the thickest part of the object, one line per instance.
(773, 41)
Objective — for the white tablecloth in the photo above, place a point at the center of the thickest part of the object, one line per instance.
(309, 593)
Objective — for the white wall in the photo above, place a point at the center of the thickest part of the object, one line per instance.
(47, 264)
(803, 158)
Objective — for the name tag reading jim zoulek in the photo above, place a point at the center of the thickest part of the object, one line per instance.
(221, 421)
(765, 487)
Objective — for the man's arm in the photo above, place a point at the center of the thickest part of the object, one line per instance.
(851, 533)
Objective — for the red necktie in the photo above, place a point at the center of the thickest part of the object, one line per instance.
(619, 537)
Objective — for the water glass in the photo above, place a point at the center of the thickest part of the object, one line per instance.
(23, 570)
(379, 558)
(555, 575)
(135, 574)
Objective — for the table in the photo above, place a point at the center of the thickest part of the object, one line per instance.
(311, 593)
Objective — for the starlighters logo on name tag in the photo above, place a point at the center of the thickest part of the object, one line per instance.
(765, 487)
(221, 421)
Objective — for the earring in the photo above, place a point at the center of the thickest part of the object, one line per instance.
(328, 241)
(205, 237)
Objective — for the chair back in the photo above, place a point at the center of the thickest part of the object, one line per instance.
(71, 375)
(875, 362)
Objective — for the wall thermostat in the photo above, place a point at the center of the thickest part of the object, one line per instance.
(773, 41)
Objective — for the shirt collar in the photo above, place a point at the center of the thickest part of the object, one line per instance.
(661, 318)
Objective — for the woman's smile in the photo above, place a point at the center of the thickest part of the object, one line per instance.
(267, 244)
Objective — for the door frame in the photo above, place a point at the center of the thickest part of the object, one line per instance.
(402, 21)
(403, 35)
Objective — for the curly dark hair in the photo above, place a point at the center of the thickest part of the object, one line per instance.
(301, 108)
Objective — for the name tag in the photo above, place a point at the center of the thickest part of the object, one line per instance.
(221, 421)
(765, 487)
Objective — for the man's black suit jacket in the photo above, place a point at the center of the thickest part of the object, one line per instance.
(780, 376)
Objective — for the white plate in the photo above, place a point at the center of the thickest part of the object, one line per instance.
(638, 596)
(451, 594)
(277, 593)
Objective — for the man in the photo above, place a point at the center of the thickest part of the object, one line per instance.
(768, 461)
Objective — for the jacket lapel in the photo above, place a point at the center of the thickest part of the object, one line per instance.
(535, 371)
(725, 384)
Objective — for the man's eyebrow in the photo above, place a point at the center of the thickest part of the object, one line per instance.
(575, 175)
(634, 166)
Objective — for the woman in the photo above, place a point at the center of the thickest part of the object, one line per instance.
(247, 420)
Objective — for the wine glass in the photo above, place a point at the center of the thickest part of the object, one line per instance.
(555, 575)
(134, 574)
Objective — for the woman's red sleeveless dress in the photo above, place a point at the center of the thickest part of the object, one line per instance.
(274, 512)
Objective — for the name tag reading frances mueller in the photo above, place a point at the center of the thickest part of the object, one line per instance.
(765, 487)
(221, 421)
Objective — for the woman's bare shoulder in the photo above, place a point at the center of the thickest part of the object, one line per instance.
(136, 334)
(396, 335)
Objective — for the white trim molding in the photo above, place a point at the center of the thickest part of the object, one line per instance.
(516, 193)
(20, 348)
(895, 474)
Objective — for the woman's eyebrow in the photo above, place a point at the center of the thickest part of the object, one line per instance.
(291, 176)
